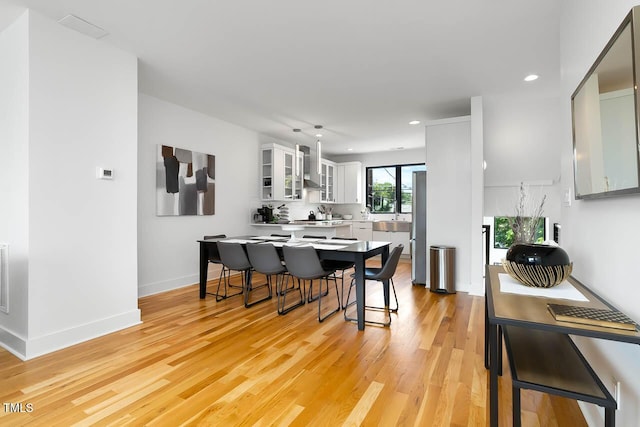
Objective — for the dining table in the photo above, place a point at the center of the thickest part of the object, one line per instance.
(356, 251)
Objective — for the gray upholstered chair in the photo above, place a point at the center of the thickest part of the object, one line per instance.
(214, 258)
(265, 259)
(304, 264)
(235, 258)
(379, 274)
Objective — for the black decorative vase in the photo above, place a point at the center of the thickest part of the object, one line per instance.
(541, 266)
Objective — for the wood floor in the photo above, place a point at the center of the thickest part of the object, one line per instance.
(198, 362)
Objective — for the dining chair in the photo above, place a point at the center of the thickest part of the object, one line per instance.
(265, 259)
(214, 258)
(311, 236)
(235, 258)
(303, 263)
(379, 274)
(281, 235)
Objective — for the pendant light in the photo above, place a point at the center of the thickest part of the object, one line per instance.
(319, 149)
(297, 162)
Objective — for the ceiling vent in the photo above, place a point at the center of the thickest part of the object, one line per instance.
(82, 26)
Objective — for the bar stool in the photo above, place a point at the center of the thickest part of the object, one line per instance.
(379, 274)
(235, 258)
(304, 264)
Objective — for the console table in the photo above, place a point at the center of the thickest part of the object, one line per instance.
(504, 309)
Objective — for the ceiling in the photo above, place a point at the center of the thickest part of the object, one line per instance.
(361, 68)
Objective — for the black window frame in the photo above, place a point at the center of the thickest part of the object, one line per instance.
(542, 224)
(398, 184)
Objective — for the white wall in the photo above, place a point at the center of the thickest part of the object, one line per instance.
(14, 176)
(82, 113)
(522, 144)
(168, 254)
(601, 236)
(449, 203)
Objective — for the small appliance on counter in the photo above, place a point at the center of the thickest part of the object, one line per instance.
(283, 214)
(265, 215)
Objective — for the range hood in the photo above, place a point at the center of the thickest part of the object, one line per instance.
(309, 181)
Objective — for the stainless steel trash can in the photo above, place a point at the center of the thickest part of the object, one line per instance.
(442, 262)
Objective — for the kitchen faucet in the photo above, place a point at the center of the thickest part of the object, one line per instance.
(395, 211)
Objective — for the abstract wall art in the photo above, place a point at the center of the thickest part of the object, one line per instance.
(185, 182)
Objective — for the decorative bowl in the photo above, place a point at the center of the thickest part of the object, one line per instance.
(347, 216)
(540, 266)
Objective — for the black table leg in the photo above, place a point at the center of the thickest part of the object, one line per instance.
(493, 375)
(360, 293)
(204, 267)
(486, 334)
(609, 417)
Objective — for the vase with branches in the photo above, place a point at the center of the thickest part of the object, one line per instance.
(528, 214)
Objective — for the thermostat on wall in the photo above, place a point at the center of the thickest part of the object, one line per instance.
(102, 173)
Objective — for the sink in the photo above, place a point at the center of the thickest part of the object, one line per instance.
(391, 226)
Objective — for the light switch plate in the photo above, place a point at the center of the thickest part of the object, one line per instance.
(566, 200)
(102, 173)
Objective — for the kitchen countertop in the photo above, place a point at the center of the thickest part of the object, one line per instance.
(315, 224)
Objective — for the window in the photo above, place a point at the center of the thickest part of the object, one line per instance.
(390, 188)
(503, 233)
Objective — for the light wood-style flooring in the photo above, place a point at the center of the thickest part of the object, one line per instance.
(198, 362)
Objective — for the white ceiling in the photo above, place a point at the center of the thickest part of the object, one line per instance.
(361, 68)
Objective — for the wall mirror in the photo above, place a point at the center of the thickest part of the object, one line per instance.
(605, 119)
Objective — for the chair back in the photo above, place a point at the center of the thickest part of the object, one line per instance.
(303, 262)
(311, 236)
(264, 258)
(389, 268)
(233, 256)
(345, 238)
(281, 235)
(214, 255)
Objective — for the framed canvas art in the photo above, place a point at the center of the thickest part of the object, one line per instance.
(185, 182)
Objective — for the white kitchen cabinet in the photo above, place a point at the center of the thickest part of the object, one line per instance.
(362, 230)
(395, 237)
(328, 181)
(349, 182)
(278, 180)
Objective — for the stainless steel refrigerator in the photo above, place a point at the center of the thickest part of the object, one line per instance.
(419, 229)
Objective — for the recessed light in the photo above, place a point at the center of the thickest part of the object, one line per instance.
(414, 122)
(318, 135)
(349, 149)
(531, 77)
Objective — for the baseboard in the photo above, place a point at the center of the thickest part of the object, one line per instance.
(13, 343)
(176, 283)
(476, 289)
(31, 348)
(167, 285)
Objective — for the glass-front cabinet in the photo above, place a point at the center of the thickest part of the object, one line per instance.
(280, 179)
(267, 174)
(327, 182)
